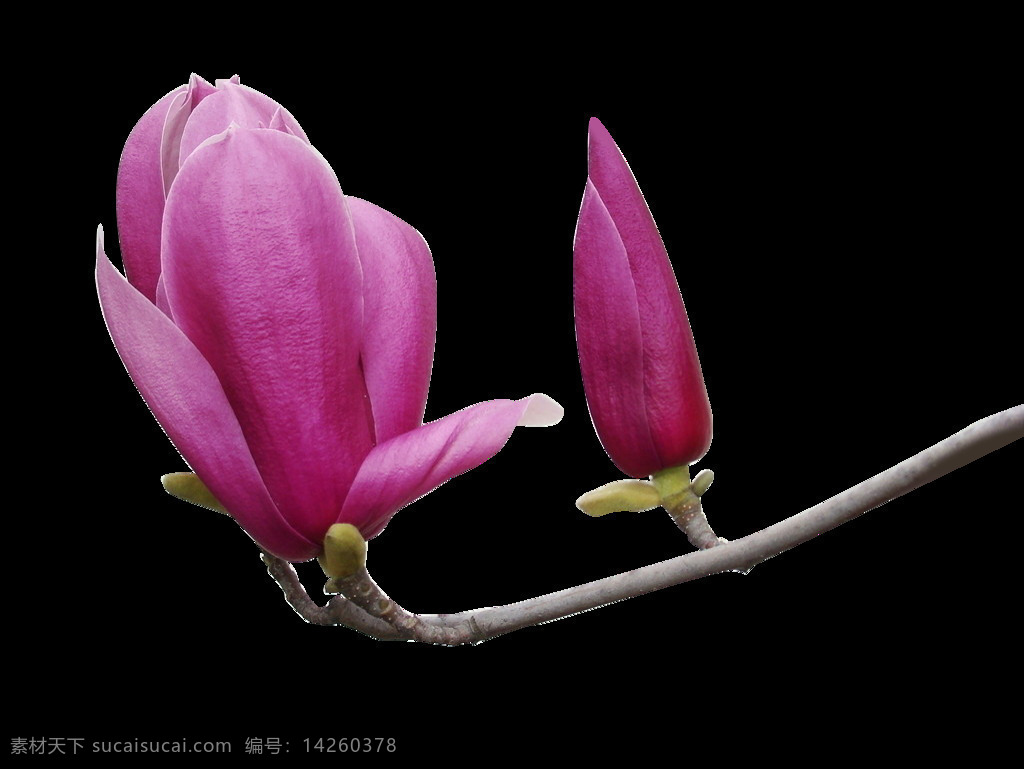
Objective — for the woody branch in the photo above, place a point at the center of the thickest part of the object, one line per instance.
(971, 443)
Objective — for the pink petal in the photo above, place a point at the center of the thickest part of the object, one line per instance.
(187, 400)
(678, 409)
(140, 197)
(610, 340)
(408, 466)
(262, 274)
(178, 113)
(161, 297)
(238, 104)
(399, 317)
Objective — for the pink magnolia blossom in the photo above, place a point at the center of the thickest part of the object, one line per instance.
(639, 362)
(281, 333)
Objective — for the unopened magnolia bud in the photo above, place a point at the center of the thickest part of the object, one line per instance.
(344, 551)
(628, 495)
(641, 374)
(188, 487)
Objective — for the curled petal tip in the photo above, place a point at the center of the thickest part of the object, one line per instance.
(279, 122)
(542, 411)
(227, 133)
(198, 82)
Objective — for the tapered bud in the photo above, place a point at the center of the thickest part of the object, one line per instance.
(641, 374)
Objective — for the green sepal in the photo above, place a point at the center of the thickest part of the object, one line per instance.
(627, 495)
(702, 482)
(188, 487)
(672, 481)
(344, 551)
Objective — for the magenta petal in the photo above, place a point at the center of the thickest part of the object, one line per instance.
(408, 466)
(399, 317)
(610, 340)
(161, 297)
(238, 104)
(140, 197)
(676, 401)
(262, 273)
(178, 114)
(187, 400)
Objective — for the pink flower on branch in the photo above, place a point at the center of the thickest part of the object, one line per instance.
(281, 332)
(639, 362)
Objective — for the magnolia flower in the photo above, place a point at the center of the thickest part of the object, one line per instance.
(640, 369)
(281, 333)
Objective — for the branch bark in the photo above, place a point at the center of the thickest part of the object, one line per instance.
(971, 443)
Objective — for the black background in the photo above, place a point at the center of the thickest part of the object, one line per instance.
(842, 235)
